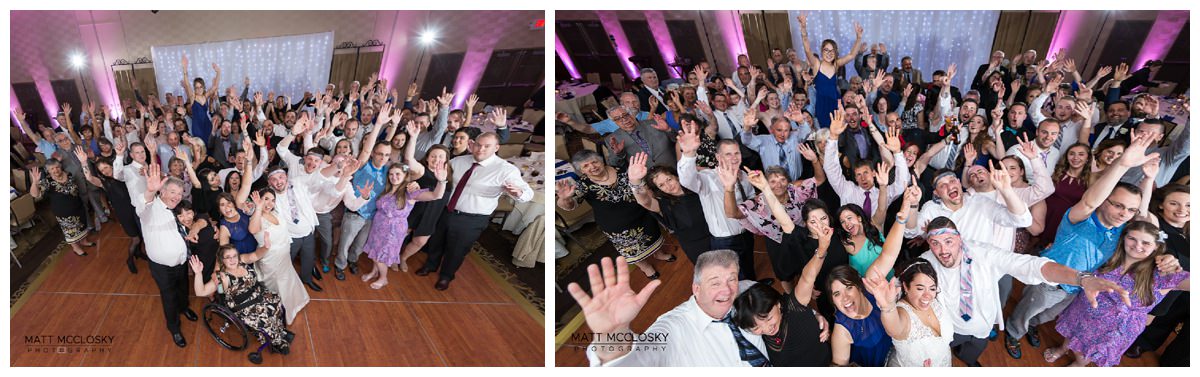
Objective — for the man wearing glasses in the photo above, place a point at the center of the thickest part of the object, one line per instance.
(1087, 237)
(652, 136)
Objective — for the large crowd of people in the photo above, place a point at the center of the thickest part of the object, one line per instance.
(896, 210)
(240, 186)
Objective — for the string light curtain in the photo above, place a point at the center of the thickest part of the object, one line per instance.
(933, 39)
(288, 65)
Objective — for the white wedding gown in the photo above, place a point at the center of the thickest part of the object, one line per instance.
(277, 271)
(923, 347)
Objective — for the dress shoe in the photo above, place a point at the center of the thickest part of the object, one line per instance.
(189, 314)
(313, 286)
(129, 263)
(179, 340)
(1012, 346)
(354, 269)
(442, 285)
(316, 274)
(1034, 339)
(423, 271)
(337, 273)
(975, 365)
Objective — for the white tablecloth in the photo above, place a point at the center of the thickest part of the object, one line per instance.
(516, 125)
(570, 98)
(533, 172)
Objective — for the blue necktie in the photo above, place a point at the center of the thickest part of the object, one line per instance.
(748, 352)
(783, 161)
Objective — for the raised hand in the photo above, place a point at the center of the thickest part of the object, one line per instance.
(412, 187)
(907, 91)
(824, 235)
(757, 179)
(969, 154)
(194, 262)
(498, 116)
(802, 19)
(637, 167)
(882, 289)
(704, 107)
(892, 137)
(35, 173)
(1028, 148)
(119, 146)
(1121, 73)
(728, 174)
(881, 174)
(688, 141)
(808, 153)
(1135, 154)
(660, 123)
(564, 188)
(1000, 179)
(858, 30)
(412, 129)
(837, 122)
(1150, 168)
(1084, 91)
(951, 71)
(912, 196)
(82, 156)
(154, 178)
(439, 171)
(366, 190)
(749, 118)
(445, 98)
(615, 145)
(412, 89)
(613, 304)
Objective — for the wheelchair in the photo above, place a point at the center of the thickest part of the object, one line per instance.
(221, 320)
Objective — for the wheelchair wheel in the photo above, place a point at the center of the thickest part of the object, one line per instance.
(225, 327)
(256, 357)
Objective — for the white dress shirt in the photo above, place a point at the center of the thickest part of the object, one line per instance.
(1047, 157)
(486, 184)
(131, 174)
(325, 195)
(712, 196)
(945, 158)
(693, 339)
(259, 169)
(988, 265)
(1069, 132)
(850, 192)
(977, 220)
(164, 244)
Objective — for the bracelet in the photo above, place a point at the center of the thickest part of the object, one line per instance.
(888, 310)
(898, 221)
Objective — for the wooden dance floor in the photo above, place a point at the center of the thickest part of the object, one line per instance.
(407, 323)
(676, 288)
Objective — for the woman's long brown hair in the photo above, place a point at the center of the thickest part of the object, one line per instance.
(1142, 271)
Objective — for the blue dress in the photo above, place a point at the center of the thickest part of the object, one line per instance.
(239, 233)
(201, 123)
(871, 341)
(827, 98)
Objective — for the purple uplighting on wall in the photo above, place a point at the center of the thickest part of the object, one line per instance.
(1069, 23)
(13, 106)
(565, 58)
(662, 35)
(1162, 36)
(612, 26)
(475, 61)
(730, 25)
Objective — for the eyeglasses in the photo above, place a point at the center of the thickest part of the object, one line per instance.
(622, 116)
(827, 50)
(1122, 208)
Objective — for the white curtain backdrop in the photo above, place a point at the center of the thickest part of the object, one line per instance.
(288, 65)
(933, 39)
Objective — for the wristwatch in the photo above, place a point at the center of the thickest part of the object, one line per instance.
(1082, 275)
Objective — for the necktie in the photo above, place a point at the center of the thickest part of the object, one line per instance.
(747, 351)
(953, 154)
(867, 202)
(1045, 156)
(740, 194)
(783, 161)
(966, 287)
(637, 138)
(729, 121)
(460, 185)
(295, 204)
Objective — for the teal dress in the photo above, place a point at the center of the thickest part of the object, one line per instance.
(862, 260)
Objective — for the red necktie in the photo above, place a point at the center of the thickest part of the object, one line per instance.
(462, 183)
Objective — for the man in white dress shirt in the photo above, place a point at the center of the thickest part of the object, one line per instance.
(1047, 154)
(726, 233)
(977, 216)
(478, 180)
(695, 333)
(294, 190)
(165, 246)
(968, 274)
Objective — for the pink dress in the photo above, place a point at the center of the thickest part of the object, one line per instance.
(1103, 334)
(389, 226)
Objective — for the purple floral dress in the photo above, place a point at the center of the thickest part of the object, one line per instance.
(758, 216)
(388, 228)
(1103, 334)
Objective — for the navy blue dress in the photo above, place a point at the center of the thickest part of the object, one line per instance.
(871, 341)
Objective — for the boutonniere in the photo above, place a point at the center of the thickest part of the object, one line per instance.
(1123, 130)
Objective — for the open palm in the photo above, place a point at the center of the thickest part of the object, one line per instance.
(613, 304)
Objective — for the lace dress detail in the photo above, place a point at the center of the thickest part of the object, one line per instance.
(923, 348)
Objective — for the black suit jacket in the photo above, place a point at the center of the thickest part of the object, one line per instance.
(644, 98)
(848, 148)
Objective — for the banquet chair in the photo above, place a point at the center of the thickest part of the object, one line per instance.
(20, 180)
(567, 222)
(618, 82)
(518, 137)
(533, 116)
(593, 78)
(504, 207)
(508, 151)
(560, 148)
(24, 210)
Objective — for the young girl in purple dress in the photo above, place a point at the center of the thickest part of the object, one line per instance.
(1102, 334)
(390, 225)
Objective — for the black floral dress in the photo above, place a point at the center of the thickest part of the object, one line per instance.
(630, 228)
(706, 156)
(259, 308)
(67, 206)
